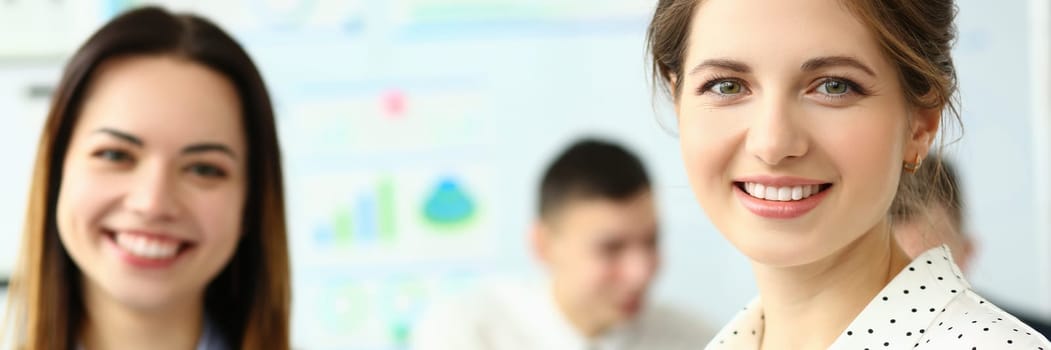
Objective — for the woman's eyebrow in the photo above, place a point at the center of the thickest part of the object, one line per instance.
(724, 63)
(808, 66)
(835, 61)
(209, 147)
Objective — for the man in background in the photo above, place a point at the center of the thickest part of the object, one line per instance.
(938, 219)
(596, 235)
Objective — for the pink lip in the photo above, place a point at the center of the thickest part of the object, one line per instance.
(779, 209)
(780, 181)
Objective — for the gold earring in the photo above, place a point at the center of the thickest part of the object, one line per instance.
(915, 165)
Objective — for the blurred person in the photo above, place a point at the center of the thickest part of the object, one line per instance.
(3, 297)
(156, 212)
(938, 219)
(800, 122)
(597, 237)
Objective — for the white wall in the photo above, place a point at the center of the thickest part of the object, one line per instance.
(1040, 99)
(997, 151)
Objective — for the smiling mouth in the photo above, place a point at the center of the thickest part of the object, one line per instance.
(781, 193)
(148, 247)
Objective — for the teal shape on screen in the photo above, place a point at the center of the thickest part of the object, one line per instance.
(449, 205)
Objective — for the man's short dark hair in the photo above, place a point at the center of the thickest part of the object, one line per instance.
(591, 169)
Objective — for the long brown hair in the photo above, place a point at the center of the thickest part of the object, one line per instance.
(249, 301)
(916, 36)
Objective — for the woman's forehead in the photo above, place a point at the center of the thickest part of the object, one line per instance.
(768, 33)
(163, 98)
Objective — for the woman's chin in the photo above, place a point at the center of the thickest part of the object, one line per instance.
(781, 249)
(140, 296)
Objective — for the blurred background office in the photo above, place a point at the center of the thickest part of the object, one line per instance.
(415, 132)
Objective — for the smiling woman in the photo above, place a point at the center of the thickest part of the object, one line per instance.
(800, 124)
(156, 215)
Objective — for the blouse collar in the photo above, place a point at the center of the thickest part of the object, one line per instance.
(919, 293)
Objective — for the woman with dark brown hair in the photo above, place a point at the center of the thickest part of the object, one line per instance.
(800, 124)
(156, 213)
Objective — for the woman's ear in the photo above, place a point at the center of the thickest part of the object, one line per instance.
(922, 130)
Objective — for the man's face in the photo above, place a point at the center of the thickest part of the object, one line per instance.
(602, 255)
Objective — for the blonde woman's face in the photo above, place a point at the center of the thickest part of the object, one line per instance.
(793, 126)
(153, 183)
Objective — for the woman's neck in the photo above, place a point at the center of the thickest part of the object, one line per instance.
(807, 307)
(109, 324)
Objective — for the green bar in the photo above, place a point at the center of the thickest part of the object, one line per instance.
(342, 226)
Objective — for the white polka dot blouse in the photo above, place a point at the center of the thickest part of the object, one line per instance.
(929, 305)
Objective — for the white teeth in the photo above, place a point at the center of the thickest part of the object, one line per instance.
(782, 194)
(145, 247)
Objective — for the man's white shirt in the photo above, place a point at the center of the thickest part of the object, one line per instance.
(515, 315)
